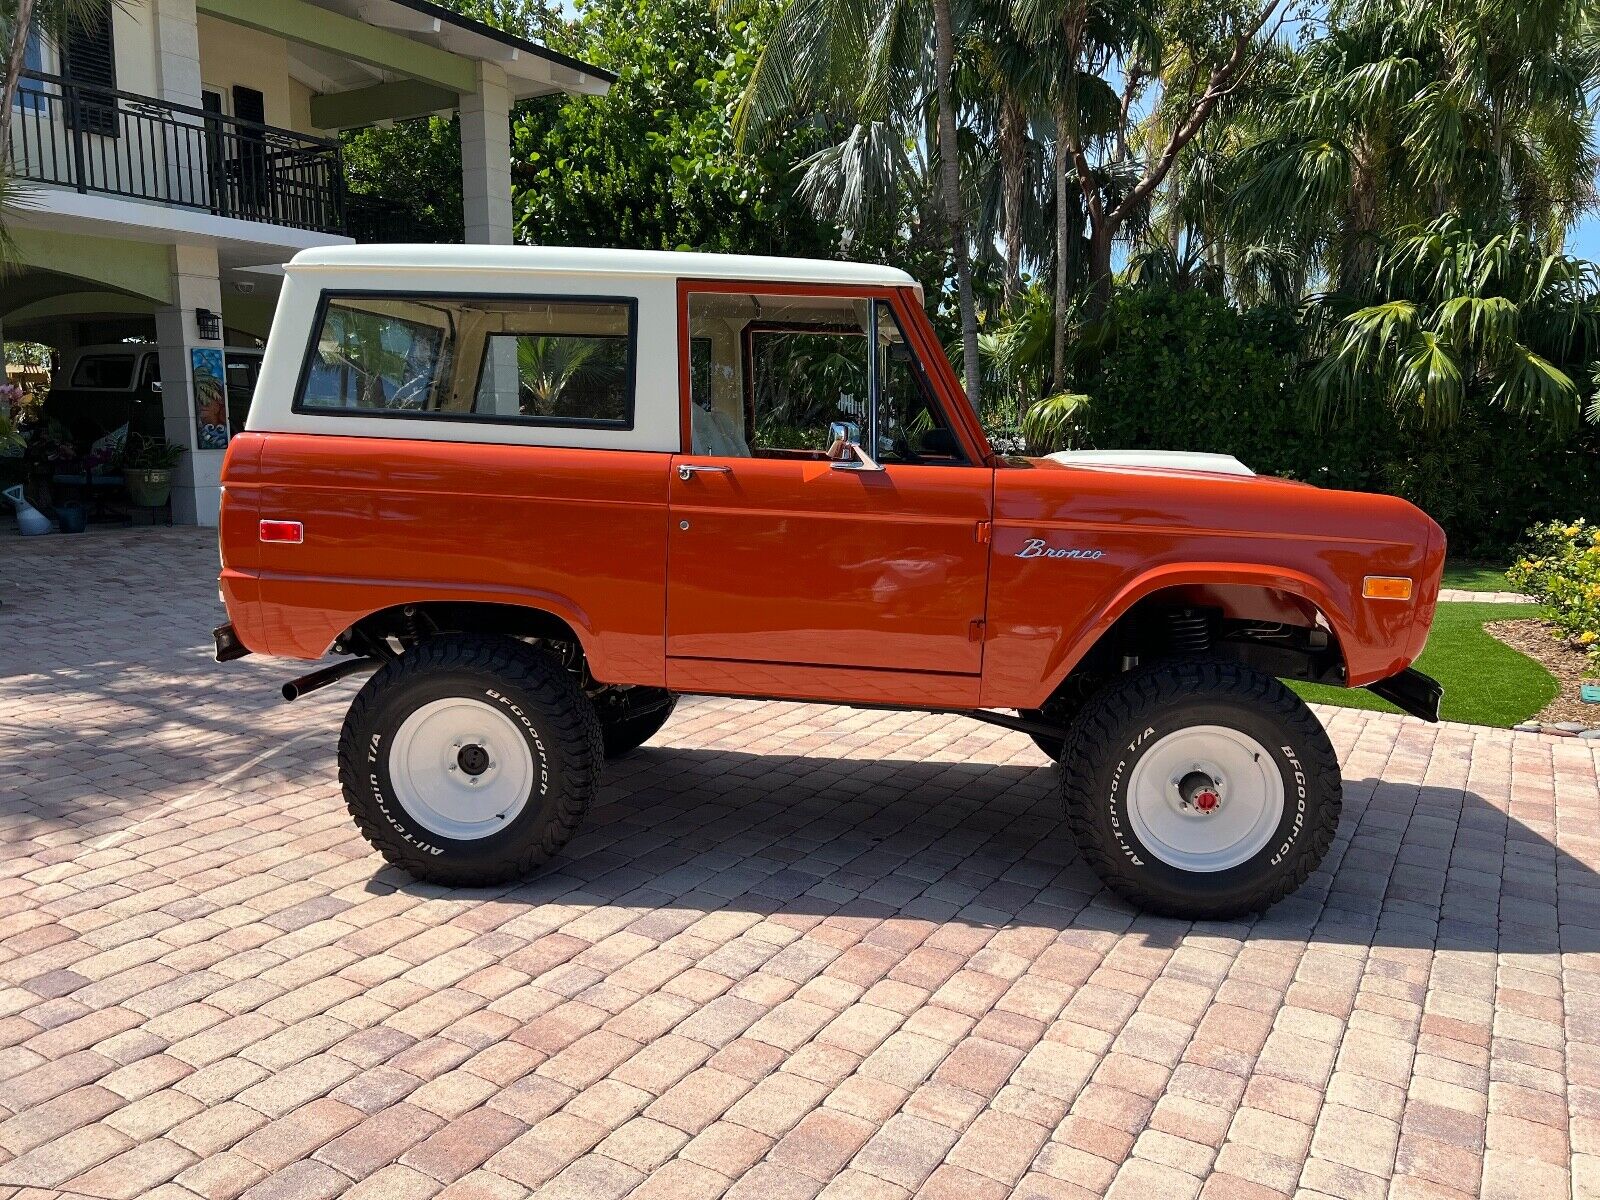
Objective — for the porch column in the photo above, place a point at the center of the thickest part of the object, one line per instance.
(196, 483)
(178, 73)
(486, 158)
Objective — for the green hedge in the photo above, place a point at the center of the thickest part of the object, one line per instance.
(1187, 371)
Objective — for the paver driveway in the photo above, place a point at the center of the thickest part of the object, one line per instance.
(795, 950)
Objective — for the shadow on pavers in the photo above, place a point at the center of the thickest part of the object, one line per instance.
(681, 832)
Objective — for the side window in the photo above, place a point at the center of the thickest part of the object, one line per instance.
(567, 362)
(533, 360)
(770, 375)
(103, 371)
(388, 355)
(912, 428)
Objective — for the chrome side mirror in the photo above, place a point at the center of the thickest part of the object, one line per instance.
(850, 434)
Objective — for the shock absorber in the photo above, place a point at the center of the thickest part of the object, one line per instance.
(1188, 632)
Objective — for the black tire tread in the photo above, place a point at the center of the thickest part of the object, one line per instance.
(1094, 734)
(568, 721)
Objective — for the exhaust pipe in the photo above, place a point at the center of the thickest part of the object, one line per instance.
(307, 684)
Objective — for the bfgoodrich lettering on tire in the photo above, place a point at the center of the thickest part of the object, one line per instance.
(1200, 790)
(470, 760)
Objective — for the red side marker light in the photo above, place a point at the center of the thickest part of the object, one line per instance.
(283, 531)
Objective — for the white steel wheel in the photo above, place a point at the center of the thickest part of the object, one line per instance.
(1205, 798)
(461, 768)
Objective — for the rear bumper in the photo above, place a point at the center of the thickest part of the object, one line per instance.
(229, 647)
(1411, 691)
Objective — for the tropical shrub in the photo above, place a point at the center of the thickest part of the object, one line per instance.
(1188, 371)
(1560, 567)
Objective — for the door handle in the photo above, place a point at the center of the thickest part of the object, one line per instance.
(688, 470)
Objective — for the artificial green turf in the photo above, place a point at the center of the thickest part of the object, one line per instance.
(1475, 575)
(1485, 681)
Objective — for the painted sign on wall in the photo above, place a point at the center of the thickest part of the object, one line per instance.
(210, 398)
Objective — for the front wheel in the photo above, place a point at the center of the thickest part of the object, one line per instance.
(1201, 790)
(469, 760)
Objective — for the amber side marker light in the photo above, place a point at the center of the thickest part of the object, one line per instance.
(1386, 587)
(282, 531)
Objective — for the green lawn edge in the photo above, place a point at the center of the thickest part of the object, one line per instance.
(1485, 681)
(1475, 575)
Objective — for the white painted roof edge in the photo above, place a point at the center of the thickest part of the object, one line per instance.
(578, 260)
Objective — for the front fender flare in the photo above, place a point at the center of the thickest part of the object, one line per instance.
(1294, 583)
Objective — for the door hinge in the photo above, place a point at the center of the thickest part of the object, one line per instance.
(975, 629)
(984, 531)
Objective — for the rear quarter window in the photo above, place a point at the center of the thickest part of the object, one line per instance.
(531, 360)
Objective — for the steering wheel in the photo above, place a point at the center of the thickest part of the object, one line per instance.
(901, 446)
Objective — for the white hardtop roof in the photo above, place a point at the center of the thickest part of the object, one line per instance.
(579, 260)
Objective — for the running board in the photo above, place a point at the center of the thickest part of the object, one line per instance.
(1411, 691)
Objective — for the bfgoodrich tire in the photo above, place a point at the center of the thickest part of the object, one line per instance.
(470, 760)
(629, 728)
(1200, 790)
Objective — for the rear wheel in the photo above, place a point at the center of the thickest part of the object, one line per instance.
(470, 759)
(1201, 790)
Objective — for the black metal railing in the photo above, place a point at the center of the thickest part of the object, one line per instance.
(96, 139)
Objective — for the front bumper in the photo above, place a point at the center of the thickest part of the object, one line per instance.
(1411, 691)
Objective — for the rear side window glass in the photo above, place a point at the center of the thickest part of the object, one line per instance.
(103, 371)
(567, 361)
(528, 360)
(386, 355)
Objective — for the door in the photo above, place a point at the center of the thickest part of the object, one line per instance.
(788, 546)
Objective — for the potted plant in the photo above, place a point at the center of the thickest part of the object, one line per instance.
(147, 466)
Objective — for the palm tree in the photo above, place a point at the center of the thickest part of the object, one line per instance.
(1464, 314)
(1190, 67)
(867, 64)
(1005, 82)
(1405, 111)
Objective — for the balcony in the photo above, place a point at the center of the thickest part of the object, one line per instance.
(94, 139)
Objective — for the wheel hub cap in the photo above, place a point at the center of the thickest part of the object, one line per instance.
(1205, 798)
(1199, 791)
(461, 768)
(473, 759)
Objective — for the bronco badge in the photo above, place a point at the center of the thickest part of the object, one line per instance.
(1039, 548)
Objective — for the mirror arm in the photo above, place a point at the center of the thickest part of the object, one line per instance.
(862, 462)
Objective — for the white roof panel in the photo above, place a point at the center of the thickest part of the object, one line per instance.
(578, 260)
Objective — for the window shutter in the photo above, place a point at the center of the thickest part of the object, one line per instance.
(89, 58)
(251, 168)
(249, 105)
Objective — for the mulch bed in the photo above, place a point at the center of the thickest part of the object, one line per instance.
(1544, 643)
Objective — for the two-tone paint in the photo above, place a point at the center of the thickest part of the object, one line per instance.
(921, 586)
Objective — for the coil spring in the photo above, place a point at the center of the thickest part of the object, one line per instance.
(1189, 632)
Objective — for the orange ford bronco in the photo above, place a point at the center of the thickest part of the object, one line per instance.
(537, 494)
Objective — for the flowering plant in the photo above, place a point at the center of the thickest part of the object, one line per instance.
(1560, 567)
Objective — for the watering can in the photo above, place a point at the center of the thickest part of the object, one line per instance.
(29, 518)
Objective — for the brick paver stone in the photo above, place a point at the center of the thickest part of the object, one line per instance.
(794, 951)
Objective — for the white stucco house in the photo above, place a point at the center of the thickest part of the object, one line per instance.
(177, 151)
